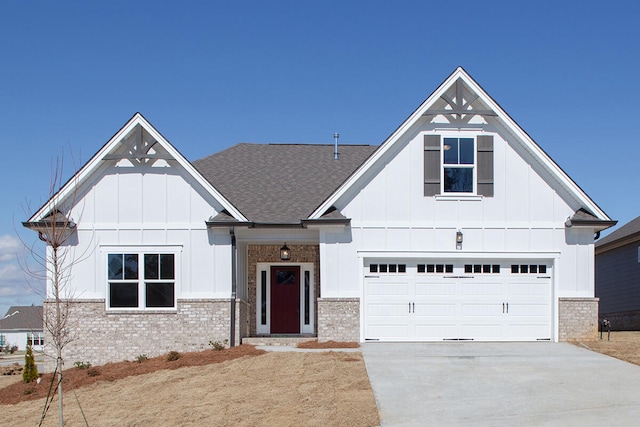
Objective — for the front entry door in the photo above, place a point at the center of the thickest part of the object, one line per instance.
(285, 300)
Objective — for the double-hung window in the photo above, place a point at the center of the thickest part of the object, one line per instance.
(458, 165)
(459, 161)
(141, 280)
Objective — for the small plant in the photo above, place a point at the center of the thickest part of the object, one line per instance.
(218, 345)
(28, 391)
(30, 372)
(13, 349)
(173, 355)
(82, 365)
(93, 372)
(141, 358)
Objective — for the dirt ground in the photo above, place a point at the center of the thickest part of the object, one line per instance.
(241, 386)
(624, 345)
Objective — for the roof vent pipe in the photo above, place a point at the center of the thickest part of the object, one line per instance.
(336, 135)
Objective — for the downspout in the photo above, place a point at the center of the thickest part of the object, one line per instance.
(234, 286)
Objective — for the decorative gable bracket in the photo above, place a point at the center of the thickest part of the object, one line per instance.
(457, 108)
(138, 148)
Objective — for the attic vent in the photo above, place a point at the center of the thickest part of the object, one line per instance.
(336, 155)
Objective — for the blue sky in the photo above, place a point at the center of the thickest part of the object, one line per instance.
(211, 74)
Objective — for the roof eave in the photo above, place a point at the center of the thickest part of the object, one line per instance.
(597, 225)
(618, 243)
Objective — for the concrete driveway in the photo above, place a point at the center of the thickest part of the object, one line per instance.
(498, 384)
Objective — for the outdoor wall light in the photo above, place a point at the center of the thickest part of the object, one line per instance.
(459, 240)
(285, 252)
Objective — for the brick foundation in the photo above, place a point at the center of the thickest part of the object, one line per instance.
(339, 319)
(102, 336)
(577, 318)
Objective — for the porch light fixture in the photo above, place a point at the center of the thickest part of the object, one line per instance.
(285, 252)
(459, 238)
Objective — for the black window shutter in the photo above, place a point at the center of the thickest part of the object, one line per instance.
(432, 165)
(485, 165)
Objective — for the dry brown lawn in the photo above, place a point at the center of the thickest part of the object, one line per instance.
(236, 387)
(624, 345)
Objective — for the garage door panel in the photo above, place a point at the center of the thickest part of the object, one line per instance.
(433, 289)
(482, 331)
(527, 289)
(434, 309)
(435, 331)
(383, 310)
(388, 289)
(479, 289)
(481, 310)
(524, 332)
(389, 331)
(494, 304)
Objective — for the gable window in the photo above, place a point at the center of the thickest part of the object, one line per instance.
(141, 280)
(458, 165)
(458, 156)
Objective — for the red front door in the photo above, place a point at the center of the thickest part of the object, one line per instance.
(285, 300)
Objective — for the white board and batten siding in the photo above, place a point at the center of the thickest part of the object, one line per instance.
(149, 209)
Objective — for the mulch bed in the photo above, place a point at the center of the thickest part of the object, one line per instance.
(74, 377)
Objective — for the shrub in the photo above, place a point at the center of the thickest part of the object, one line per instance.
(218, 345)
(30, 372)
(82, 365)
(173, 355)
(141, 358)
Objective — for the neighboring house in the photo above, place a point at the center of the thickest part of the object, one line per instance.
(458, 227)
(22, 326)
(618, 277)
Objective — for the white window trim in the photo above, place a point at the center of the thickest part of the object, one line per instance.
(457, 135)
(306, 266)
(176, 250)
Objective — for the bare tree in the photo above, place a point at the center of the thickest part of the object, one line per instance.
(55, 227)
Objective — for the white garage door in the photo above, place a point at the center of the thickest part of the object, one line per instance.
(435, 301)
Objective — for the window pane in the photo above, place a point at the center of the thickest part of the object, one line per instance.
(458, 180)
(467, 154)
(167, 270)
(123, 294)
(130, 266)
(160, 294)
(115, 266)
(307, 297)
(151, 266)
(284, 277)
(450, 150)
(263, 297)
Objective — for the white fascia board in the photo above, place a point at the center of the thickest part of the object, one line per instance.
(94, 163)
(517, 131)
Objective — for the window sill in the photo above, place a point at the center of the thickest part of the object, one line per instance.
(172, 310)
(459, 197)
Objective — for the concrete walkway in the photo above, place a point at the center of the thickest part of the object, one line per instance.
(501, 384)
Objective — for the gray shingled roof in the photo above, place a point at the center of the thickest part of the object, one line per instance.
(280, 183)
(627, 230)
(22, 318)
